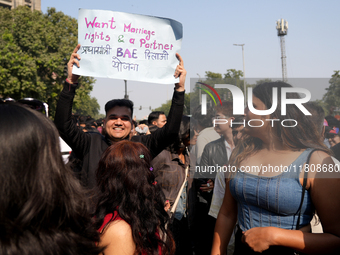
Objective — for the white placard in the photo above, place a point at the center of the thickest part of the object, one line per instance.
(128, 46)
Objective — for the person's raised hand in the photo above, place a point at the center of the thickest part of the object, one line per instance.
(74, 59)
(181, 73)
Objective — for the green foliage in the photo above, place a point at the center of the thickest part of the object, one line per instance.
(332, 97)
(34, 49)
(233, 73)
(166, 106)
(211, 75)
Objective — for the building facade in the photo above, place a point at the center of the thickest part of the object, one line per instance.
(32, 4)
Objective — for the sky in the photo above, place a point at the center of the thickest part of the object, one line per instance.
(210, 28)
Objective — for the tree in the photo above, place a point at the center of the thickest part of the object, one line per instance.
(233, 73)
(34, 50)
(166, 106)
(212, 75)
(332, 97)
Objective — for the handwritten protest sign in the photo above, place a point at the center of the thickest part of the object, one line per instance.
(128, 46)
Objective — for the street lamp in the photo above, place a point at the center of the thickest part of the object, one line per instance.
(244, 71)
(128, 93)
(126, 96)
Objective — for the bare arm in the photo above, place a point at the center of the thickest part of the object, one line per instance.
(118, 239)
(225, 223)
(324, 192)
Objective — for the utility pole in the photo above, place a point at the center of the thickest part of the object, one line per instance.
(126, 96)
(282, 29)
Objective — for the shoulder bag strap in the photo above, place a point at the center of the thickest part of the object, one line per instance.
(303, 189)
(173, 208)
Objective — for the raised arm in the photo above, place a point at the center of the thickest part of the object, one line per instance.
(68, 130)
(74, 59)
(225, 223)
(181, 73)
(163, 137)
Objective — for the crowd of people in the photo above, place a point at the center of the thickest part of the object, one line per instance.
(167, 186)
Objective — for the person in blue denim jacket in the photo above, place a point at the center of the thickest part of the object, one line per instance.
(265, 192)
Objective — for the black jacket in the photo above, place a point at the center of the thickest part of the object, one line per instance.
(89, 147)
(214, 155)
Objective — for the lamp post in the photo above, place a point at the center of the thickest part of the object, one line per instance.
(126, 96)
(282, 29)
(244, 71)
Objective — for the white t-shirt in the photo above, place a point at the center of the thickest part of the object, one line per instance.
(219, 188)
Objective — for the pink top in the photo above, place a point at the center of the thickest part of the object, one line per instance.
(108, 218)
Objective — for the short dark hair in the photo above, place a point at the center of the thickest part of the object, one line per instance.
(226, 108)
(119, 102)
(154, 116)
(238, 119)
(184, 130)
(204, 120)
(142, 122)
(332, 121)
(82, 119)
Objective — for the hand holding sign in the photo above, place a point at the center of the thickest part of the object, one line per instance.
(73, 78)
(181, 73)
(128, 46)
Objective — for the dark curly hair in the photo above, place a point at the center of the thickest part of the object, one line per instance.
(125, 184)
(43, 207)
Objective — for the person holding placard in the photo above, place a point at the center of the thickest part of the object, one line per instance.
(89, 147)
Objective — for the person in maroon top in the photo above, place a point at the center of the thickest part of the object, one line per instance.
(130, 210)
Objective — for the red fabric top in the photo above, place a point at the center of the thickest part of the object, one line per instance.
(108, 218)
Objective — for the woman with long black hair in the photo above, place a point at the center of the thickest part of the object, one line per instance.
(42, 206)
